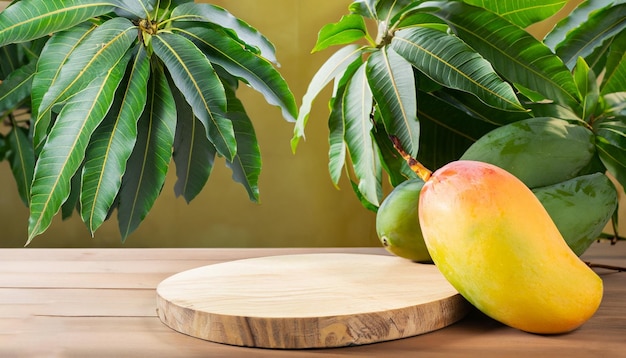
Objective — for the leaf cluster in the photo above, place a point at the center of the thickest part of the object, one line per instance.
(437, 75)
(115, 90)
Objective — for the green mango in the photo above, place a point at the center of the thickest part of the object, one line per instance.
(580, 207)
(539, 151)
(397, 223)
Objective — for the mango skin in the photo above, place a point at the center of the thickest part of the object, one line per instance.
(496, 244)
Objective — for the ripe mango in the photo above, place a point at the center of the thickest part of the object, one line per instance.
(397, 224)
(496, 244)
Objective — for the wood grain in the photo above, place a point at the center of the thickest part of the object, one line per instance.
(309, 301)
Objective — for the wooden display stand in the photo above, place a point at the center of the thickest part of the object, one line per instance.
(309, 301)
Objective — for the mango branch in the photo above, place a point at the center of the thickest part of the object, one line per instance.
(419, 169)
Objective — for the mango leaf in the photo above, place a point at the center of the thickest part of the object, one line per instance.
(30, 19)
(21, 159)
(611, 146)
(194, 76)
(336, 123)
(254, 70)
(73, 200)
(615, 104)
(63, 152)
(615, 77)
(148, 164)
(221, 17)
(88, 61)
(601, 25)
(522, 13)
(387, 10)
(450, 62)
(54, 54)
(365, 8)
(17, 86)
(391, 161)
(513, 52)
(137, 9)
(393, 86)
(588, 87)
(246, 165)
(112, 143)
(357, 108)
(348, 29)
(193, 154)
(334, 66)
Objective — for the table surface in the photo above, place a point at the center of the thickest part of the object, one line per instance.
(102, 303)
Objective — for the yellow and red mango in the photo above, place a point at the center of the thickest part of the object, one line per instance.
(496, 244)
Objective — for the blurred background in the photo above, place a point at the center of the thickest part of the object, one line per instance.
(300, 207)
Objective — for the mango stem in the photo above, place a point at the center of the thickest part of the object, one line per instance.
(419, 169)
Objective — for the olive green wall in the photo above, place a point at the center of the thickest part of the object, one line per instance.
(299, 205)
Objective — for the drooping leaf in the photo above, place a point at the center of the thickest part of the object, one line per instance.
(601, 25)
(64, 150)
(30, 19)
(391, 161)
(336, 123)
(54, 54)
(588, 87)
(348, 29)
(611, 146)
(217, 15)
(334, 66)
(194, 154)
(73, 200)
(615, 77)
(21, 159)
(246, 165)
(393, 86)
(88, 61)
(195, 77)
(522, 13)
(112, 143)
(513, 52)
(255, 70)
(450, 62)
(148, 164)
(17, 86)
(357, 109)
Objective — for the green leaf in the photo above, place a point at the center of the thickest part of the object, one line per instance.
(112, 143)
(63, 152)
(391, 161)
(73, 200)
(393, 86)
(148, 164)
(21, 159)
(26, 20)
(348, 29)
(194, 154)
(450, 62)
(601, 25)
(54, 54)
(615, 77)
(194, 76)
(246, 165)
(387, 10)
(615, 104)
(88, 61)
(522, 13)
(588, 88)
(611, 146)
(17, 86)
(333, 67)
(365, 8)
(514, 53)
(138, 9)
(254, 70)
(221, 17)
(357, 108)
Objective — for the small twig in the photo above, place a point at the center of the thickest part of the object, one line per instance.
(419, 169)
(608, 267)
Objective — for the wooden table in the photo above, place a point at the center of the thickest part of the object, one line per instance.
(101, 303)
